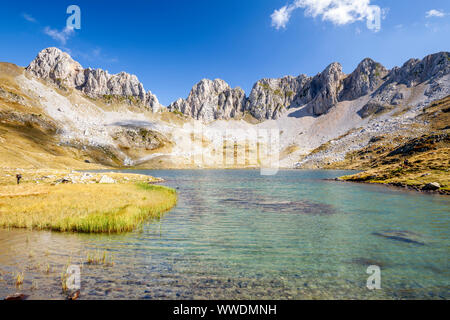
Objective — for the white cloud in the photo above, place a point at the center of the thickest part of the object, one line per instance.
(61, 36)
(339, 12)
(434, 13)
(281, 17)
(28, 17)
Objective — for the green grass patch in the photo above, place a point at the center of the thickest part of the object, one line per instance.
(93, 208)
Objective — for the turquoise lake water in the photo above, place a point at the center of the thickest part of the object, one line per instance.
(235, 234)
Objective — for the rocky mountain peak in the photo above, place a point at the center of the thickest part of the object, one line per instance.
(416, 71)
(432, 71)
(269, 98)
(367, 77)
(210, 100)
(206, 87)
(325, 88)
(56, 66)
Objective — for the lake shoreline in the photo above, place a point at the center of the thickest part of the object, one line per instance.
(396, 186)
(239, 235)
(68, 201)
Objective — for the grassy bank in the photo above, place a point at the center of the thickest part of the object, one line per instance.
(415, 162)
(90, 208)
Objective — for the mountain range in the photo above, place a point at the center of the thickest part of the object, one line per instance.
(91, 116)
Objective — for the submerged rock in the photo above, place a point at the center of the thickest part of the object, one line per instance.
(16, 296)
(294, 207)
(74, 295)
(404, 236)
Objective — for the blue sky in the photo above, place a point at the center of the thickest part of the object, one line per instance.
(171, 45)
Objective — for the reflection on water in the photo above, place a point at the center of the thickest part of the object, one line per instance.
(238, 235)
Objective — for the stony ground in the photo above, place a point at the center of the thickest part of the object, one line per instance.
(420, 161)
(55, 177)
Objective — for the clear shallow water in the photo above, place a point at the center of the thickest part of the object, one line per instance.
(238, 235)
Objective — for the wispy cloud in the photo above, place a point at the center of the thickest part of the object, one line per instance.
(435, 13)
(339, 12)
(28, 17)
(60, 36)
(96, 55)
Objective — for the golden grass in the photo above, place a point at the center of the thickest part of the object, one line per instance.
(19, 279)
(28, 146)
(289, 150)
(423, 168)
(92, 208)
(437, 114)
(100, 258)
(427, 161)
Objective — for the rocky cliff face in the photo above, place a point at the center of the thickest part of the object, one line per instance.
(127, 136)
(415, 71)
(210, 100)
(323, 90)
(58, 67)
(433, 71)
(214, 99)
(270, 98)
(367, 77)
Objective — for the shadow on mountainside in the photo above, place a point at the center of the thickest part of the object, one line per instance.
(133, 124)
(301, 112)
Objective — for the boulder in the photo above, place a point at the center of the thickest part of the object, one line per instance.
(431, 186)
(64, 180)
(86, 176)
(107, 180)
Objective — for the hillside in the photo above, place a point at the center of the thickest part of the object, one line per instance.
(422, 163)
(28, 136)
(57, 114)
(43, 125)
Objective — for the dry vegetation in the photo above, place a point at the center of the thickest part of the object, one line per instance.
(95, 208)
(289, 150)
(28, 137)
(408, 162)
